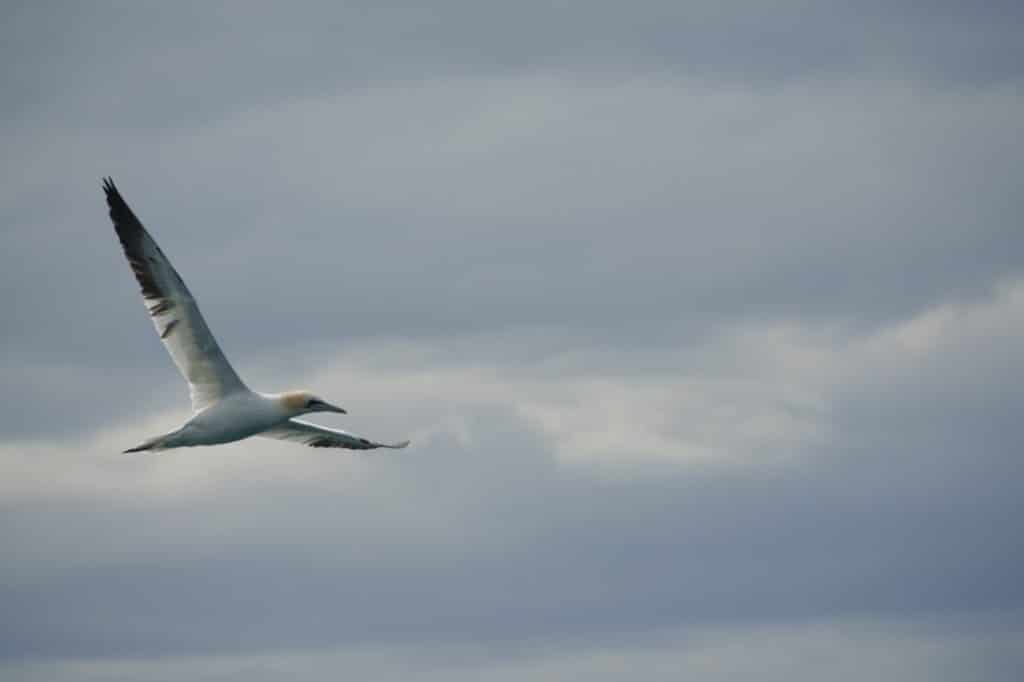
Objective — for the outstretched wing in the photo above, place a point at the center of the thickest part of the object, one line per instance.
(173, 310)
(319, 437)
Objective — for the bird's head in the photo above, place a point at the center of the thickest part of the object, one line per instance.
(304, 402)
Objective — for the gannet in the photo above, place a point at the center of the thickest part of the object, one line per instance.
(223, 407)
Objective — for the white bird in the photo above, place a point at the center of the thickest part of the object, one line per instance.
(224, 409)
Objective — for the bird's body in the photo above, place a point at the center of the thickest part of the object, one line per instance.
(224, 408)
(234, 417)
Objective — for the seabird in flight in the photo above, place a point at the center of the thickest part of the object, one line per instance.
(224, 409)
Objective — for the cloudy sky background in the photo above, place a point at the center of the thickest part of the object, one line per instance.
(705, 320)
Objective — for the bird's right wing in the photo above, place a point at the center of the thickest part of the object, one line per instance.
(319, 437)
(173, 310)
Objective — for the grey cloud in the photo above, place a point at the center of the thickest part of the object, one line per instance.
(204, 59)
(642, 223)
(836, 651)
(506, 548)
(906, 509)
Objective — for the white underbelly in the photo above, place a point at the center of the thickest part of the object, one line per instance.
(217, 434)
(225, 426)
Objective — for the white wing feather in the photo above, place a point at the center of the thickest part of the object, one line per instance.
(173, 310)
(319, 437)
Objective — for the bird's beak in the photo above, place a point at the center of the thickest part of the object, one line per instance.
(333, 408)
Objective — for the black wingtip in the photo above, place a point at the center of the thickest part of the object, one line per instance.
(119, 210)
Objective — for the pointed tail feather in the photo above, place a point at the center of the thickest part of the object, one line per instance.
(157, 443)
(148, 445)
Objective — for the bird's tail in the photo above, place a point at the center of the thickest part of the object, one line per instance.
(156, 443)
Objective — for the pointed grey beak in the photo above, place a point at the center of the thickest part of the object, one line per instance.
(333, 408)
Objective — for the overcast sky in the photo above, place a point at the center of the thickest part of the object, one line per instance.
(705, 320)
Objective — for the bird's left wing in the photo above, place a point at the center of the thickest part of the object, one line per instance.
(320, 437)
(173, 309)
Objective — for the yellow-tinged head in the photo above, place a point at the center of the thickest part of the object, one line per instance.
(304, 402)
